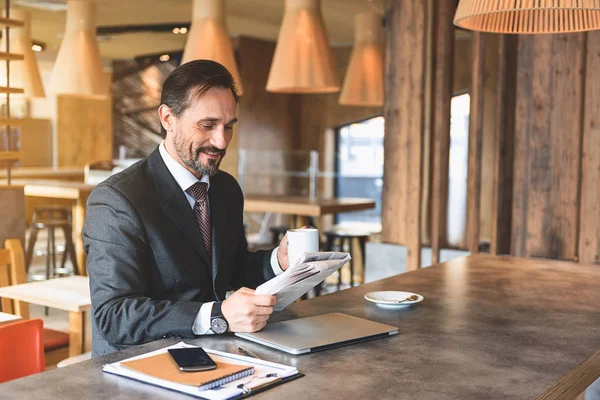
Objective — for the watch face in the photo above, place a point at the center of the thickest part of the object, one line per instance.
(218, 325)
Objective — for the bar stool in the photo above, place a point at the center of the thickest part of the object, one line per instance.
(345, 239)
(51, 217)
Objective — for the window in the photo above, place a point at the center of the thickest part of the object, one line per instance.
(359, 167)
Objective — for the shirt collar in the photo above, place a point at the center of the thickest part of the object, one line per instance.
(183, 177)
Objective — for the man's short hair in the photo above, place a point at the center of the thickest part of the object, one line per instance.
(191, 81)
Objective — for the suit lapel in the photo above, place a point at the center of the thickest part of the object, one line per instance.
(175, 204)
(218, 207)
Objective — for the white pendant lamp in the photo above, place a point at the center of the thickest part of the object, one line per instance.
(303, 62)
(363, 84)
(78, 66)
(528, 16)
(208, 37)
(23, 74)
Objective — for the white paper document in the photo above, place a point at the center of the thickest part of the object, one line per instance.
(261, 370)
(298, 279)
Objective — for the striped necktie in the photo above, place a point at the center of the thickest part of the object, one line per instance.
(199, 192)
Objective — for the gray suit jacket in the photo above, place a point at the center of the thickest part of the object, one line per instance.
(149, 271)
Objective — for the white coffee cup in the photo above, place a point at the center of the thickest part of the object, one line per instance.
(301, 241)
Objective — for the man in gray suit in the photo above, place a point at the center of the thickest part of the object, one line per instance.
(165, 238)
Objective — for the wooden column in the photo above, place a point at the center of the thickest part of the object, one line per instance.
(548, 133)
(589, 233)
(475, 144)
(443, 77)
(504, 146)
(404, 110)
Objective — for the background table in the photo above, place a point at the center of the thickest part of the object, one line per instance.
(71, 294)
(8, 318)
(299, 207)
(489, 327)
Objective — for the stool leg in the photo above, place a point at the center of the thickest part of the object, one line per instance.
(363, 253)
(48, 253)
(70, 249)
(351, 251)
(340, 270)
(33, 232)
(52, 233)
(63, 259)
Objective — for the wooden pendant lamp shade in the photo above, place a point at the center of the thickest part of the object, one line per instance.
(363, 83)
(302, 62)
(528, 16)
(208, 38)
(78, 67)
(23, 73)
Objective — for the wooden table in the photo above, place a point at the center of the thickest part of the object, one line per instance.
(57, 189)
(8, 318)
(71, 294)
(63, 173)
(489, 328)
(300, 207)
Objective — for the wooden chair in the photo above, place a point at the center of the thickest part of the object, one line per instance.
(21, 346)
(12, 272)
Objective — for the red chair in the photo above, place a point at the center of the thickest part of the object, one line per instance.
(21, 349)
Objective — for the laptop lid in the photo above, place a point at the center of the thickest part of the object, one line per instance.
(321, 332)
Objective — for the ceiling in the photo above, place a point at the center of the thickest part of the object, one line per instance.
(255, 18)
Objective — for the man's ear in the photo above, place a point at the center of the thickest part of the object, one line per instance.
(166, 117)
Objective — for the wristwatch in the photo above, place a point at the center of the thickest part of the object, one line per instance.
(218, 323)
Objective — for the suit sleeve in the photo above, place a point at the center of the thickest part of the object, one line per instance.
(118, 263)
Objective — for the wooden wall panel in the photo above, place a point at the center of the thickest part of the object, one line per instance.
(475, 144)
(443, 79)
(83, 130)
(547, 146)
(589, 235)
(504, 136)
(404, 110)
(267, 120)
(36, 143)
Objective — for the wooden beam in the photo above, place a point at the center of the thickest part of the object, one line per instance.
(548, 135)
(404, 110)
(443, 78)
(504, 146)
(589, 229)
(475, 144)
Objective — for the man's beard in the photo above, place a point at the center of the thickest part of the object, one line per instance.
(190, 158)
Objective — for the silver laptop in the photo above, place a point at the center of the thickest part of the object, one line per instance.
(307, 335)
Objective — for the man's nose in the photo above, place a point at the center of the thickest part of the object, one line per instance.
(219, 138)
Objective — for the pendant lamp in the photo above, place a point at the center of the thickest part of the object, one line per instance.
(302, 62)
(528, 16)
(209, 39)
(363, 84)
(78, 66)
(23, 74)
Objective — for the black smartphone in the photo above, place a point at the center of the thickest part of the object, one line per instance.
(192, 359)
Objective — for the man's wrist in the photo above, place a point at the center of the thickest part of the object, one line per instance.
(202, 322)
(218, 323)
(275, 264)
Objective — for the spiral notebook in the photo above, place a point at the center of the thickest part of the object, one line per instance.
(236, 376)
(162, 366)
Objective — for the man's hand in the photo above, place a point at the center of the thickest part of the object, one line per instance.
(282, 253)
(247, 312)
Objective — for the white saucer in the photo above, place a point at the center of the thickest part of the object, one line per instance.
(388, 299)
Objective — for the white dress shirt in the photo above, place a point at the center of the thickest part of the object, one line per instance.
(185, 179)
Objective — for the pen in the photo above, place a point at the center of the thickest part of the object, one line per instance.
(246, 352)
